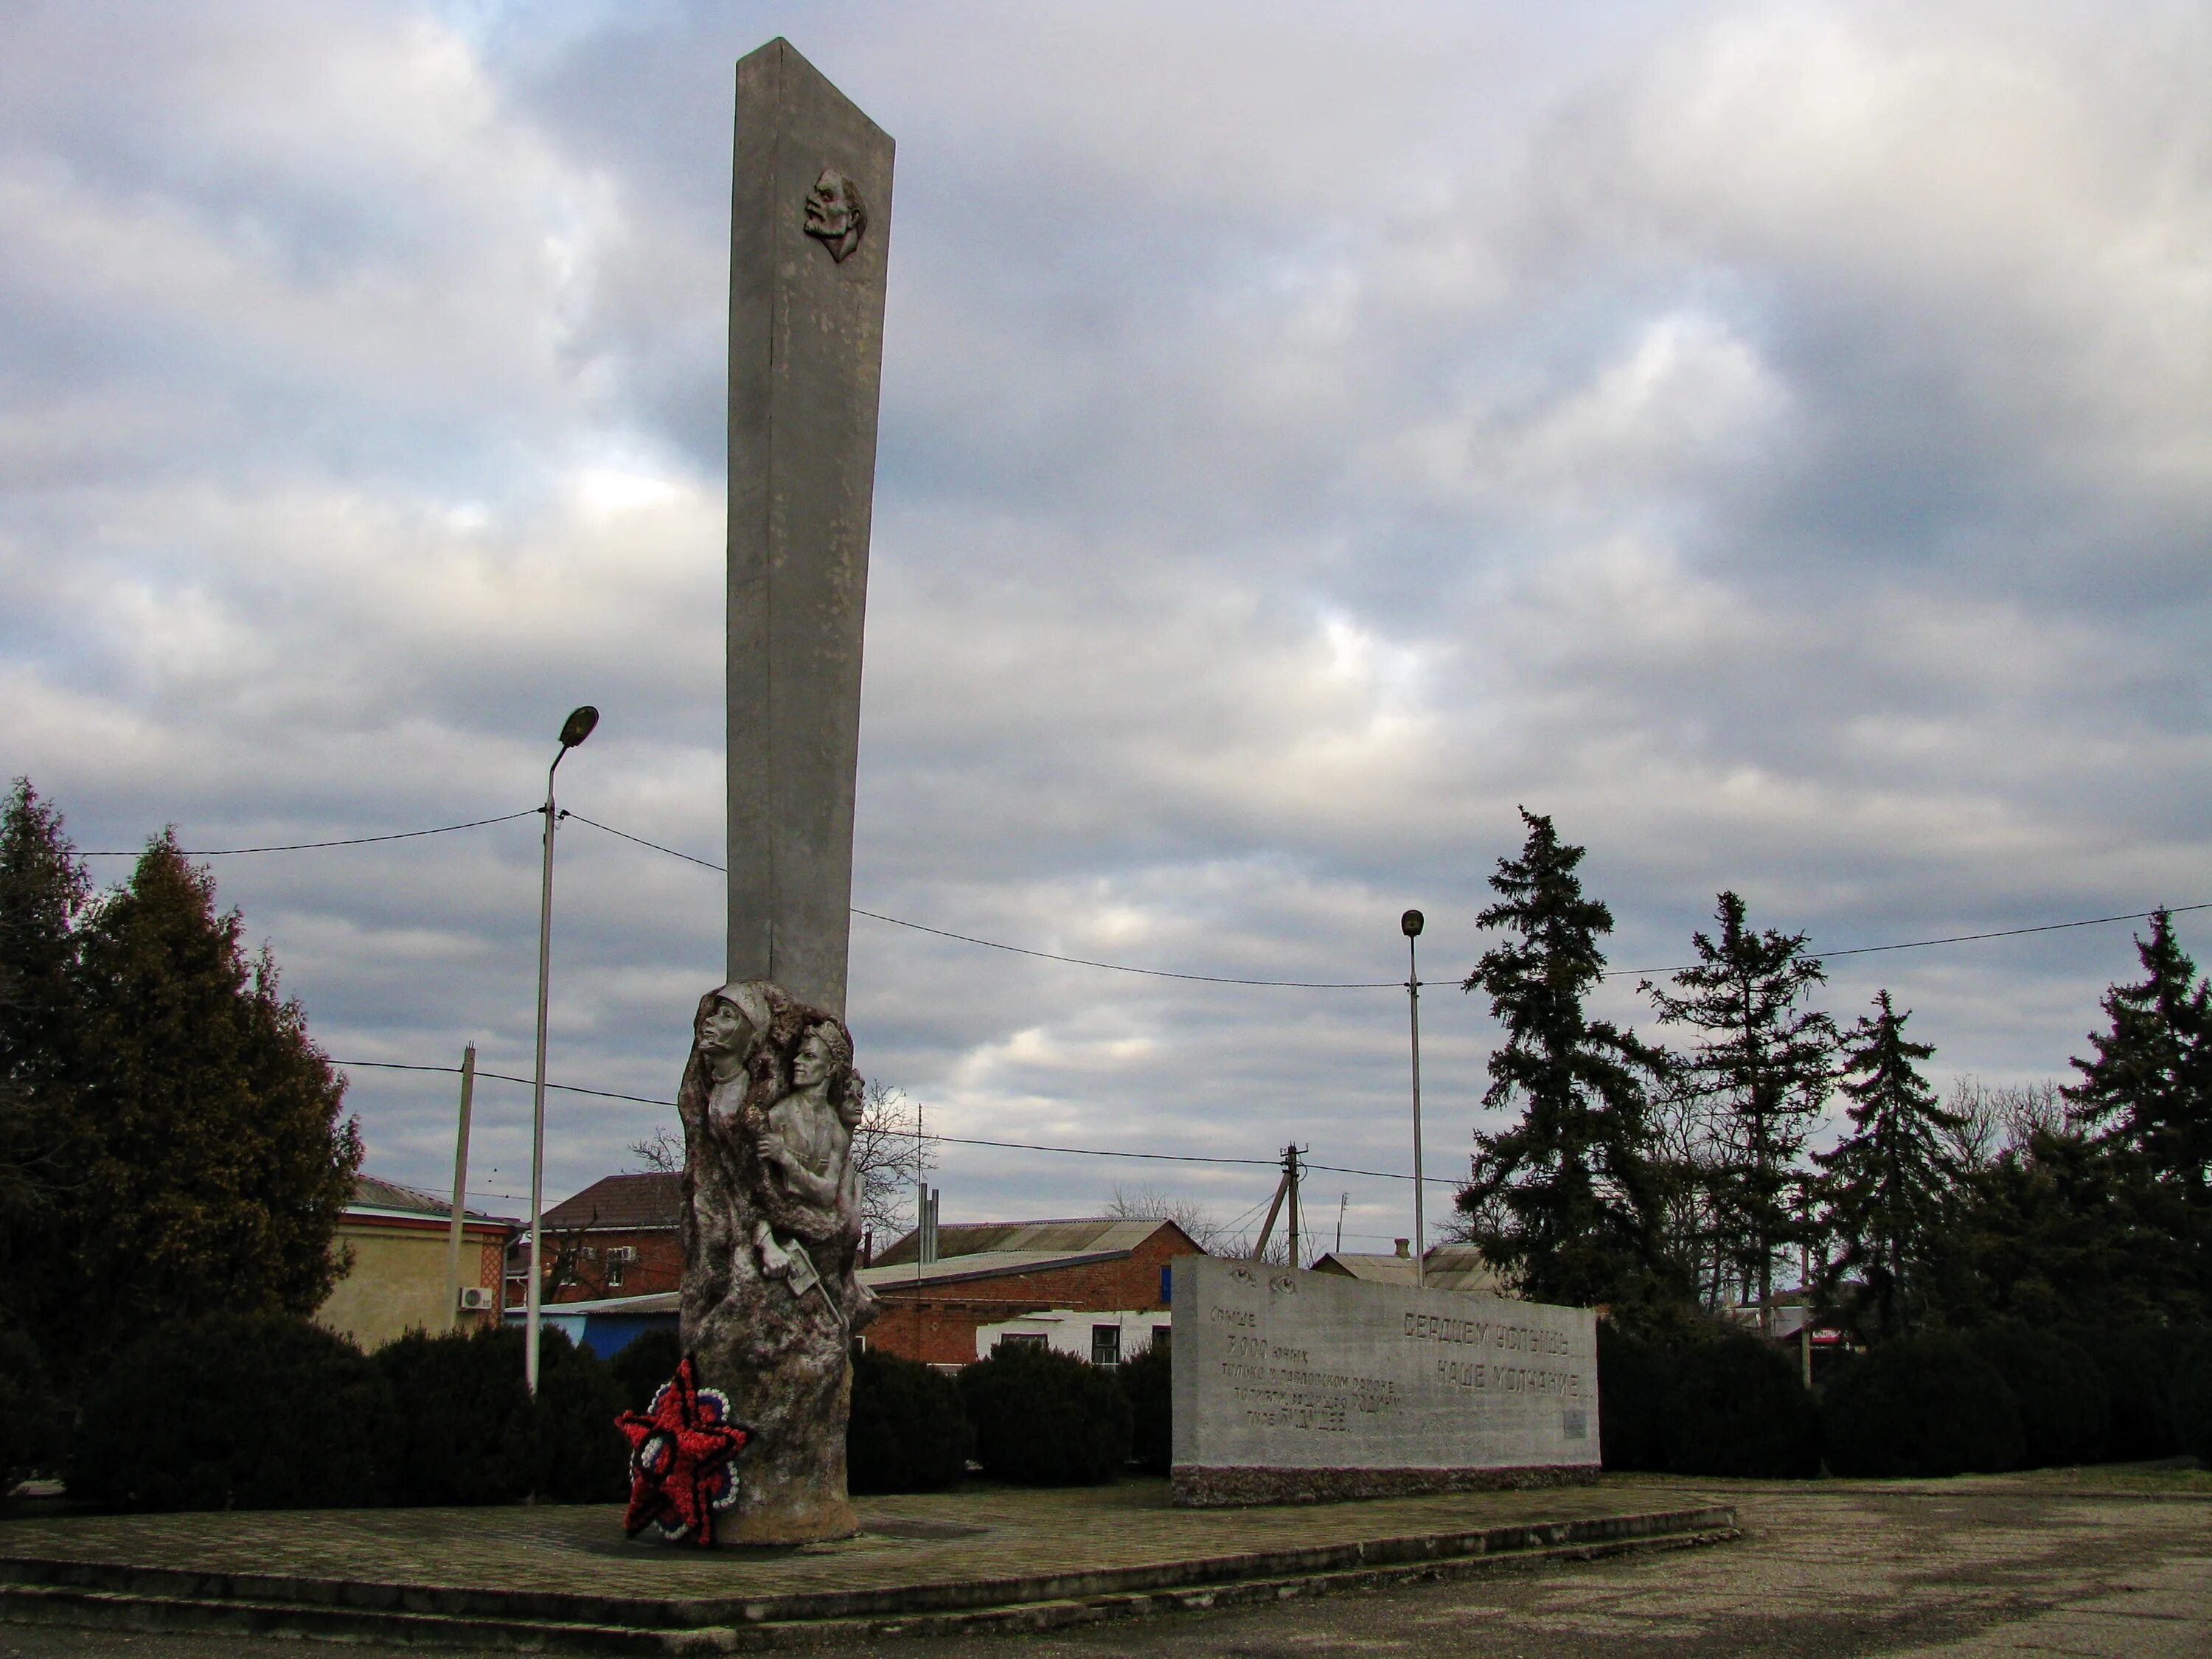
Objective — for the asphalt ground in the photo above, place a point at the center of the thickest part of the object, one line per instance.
(2015, 1565)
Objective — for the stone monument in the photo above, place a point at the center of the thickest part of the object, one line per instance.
(771, 1222)
(1295, 1386)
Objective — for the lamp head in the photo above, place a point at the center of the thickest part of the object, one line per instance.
(579, 726)
(1410, 924)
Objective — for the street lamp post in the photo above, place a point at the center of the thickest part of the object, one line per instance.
(1410, 925)
(573, 730)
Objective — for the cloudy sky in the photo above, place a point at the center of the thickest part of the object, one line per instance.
(1775, 439)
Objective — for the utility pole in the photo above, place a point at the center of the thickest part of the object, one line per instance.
(1290, 1180)
(460, 1192)
(1410, 924)
(1341, 1204)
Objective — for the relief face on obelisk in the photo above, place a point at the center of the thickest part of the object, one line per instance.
(835, 216)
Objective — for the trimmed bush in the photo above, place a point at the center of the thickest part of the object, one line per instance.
(1919, 1406)
(233, 1411)
(1737, 1407)
(646, 1360)
(1634, 1378)
(2192, 1403)
(467, 1431)
(32, 1426)
(2137, 1363)
(909, 1430)
(1148, 1379)
(2065, 1411)
(1046, 1418)
(581, 1456)
(463, 1431)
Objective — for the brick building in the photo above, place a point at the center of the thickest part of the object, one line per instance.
(620, 1236)
(989, 1273)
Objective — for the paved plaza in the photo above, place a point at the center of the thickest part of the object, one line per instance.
(2108, 1564)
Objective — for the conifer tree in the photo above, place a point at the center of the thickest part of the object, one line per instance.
(2147, 1089)
(1757, 1078)
(1889, 1184)
(215, 1165)
(1565, 1201)
(42, 890)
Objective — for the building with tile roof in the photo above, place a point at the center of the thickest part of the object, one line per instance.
(398, 1237)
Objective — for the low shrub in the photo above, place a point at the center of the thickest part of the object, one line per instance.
(1046, 1418)
(1919, 1406)
(1737, 1407)
(1634, 1378)
(1148, 1379)
(462, 1433)
(909, 1430)
(2137, 1363)
(32, 1426)
(581, 1457)
(646, 1360)
(233, 1411)
(467, 1431)
(2065, 1409)
(2192, 1403)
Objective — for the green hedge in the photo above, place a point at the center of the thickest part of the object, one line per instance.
(1046, 1418)
(2065, 1408)
(2192, 1402)
(234, 1410)
(909, 1430)
(2137, 1363)
(1634, 1378)
(646, 1361)
(269, 1412)
(1919, 1406)
(33, 1428)
(1148, 1379)
(1737, 1407)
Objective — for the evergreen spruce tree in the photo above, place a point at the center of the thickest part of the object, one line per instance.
(2147, 1092)
(1889, 1184)
(42, 890)
(1564, 1202)
(215, 1164)
(1757, 1079)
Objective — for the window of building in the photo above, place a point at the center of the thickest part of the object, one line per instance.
(1161, 1335)
(1105, 1344)
(614, 1271)
(1020, 1339)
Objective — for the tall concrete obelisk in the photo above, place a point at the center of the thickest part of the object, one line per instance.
(810, 231)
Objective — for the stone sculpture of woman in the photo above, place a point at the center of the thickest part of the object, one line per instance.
(771, 1236)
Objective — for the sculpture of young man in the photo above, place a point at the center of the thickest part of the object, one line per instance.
(771, 1238)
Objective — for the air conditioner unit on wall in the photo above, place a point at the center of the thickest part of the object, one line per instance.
(476, 1299)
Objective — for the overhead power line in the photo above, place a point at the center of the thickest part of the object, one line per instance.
(1023, 950)
(949, 1141)
(1115, 966)
(306, 845)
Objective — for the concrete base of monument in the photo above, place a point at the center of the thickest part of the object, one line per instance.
(561, 1579)
(1198, 1487)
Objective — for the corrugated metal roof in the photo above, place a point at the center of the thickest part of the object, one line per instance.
(980, 1264)
(374, 1193)
(974, 1237)
(1450, 1267)
(618, 1203)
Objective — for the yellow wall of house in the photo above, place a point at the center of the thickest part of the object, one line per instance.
(398, 1283)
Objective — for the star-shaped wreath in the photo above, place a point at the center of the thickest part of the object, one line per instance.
(680, 1449)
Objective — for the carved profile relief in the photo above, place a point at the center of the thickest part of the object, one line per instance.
(835, 217)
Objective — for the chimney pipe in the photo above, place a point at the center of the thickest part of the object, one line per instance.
(1404, 1254)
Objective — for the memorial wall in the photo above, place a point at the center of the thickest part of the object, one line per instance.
(1292, 1385)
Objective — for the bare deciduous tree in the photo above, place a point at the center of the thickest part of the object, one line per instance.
(888, 1145)
(1149, 1204)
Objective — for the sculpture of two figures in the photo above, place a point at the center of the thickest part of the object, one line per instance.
(771, 1239)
